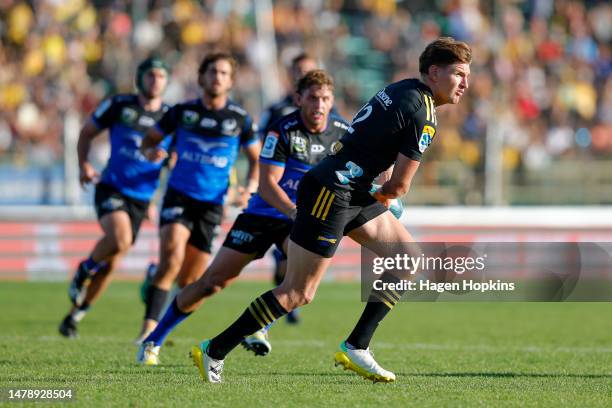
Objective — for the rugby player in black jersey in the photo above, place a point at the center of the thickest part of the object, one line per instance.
(389, 134)
(292, 146)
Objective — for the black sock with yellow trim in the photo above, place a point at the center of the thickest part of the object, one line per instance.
(379, 304)
(261, 312)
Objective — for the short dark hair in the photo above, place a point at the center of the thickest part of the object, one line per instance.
(315, 77)
(214, 57)
(299, 58)
(444, 51)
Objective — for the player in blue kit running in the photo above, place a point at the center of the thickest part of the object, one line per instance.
(292, 146)
(125, 186)
(388, 135)
(208, 134)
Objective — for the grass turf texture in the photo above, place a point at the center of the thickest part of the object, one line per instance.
(444, 354)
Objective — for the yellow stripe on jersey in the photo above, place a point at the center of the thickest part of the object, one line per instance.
(426, 99)
(433, 110)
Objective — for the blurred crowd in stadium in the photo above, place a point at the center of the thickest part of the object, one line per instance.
(540, 77)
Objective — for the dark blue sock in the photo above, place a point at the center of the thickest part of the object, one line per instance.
(89, 264)
(169, 321)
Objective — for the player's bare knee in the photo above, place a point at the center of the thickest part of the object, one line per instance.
(124, 243)
(298, 298)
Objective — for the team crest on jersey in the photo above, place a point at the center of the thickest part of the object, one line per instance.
(190, 117)
(336, 147)
(299, 144)
(228, 126)
(208, 123)
(426, 137)
(128, 115)
(269, 146)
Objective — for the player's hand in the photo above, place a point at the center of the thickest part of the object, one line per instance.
(241, 197)
(394, 205)
(292, 214)
(155, 154)
(87, 174)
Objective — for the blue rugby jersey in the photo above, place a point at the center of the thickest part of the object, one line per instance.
(127, 169)
(207, 144)
(288, 144)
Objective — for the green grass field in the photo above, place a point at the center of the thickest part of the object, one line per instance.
(444, 354)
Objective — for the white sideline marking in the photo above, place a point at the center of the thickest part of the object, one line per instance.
(483, 348)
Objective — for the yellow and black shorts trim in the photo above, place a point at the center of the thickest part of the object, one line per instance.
(323, 204)
(325, 215)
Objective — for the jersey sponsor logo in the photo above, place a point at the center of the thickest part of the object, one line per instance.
(340, 125)
(291, 184)
(317, 148)
(190, 117)
(269, 146)
(206, 146)
(426, 137)
(383, 98)
(237, 109)
(327, 240)
(128, 115)
(208, 123)
(133, 154)
(362, 115)
(195, 157)
(352, 171)
(290, 124)
(112, 203)
(103, 108)
(146, 121)
(228, 126)
(171, 213)
(240, 237)
(336, 147)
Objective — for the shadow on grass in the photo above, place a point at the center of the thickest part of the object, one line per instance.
(508, 375)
